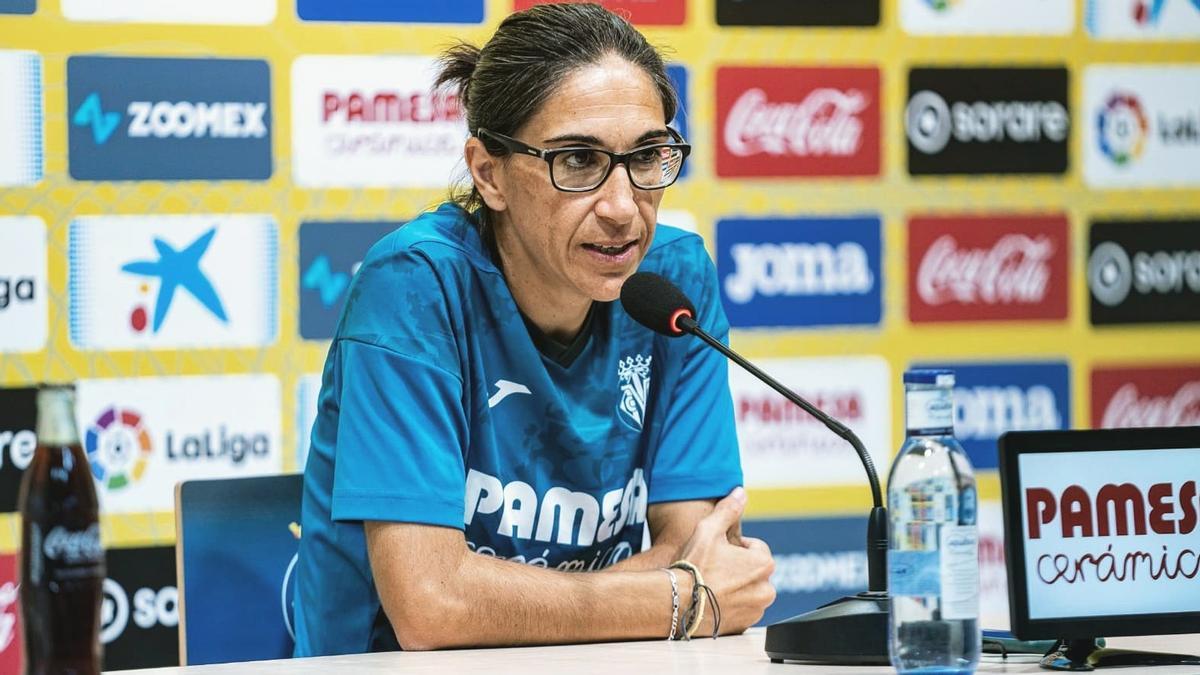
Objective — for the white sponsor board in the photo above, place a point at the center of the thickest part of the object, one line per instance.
(21, 152)
(373, 121)
(1142, 126)
(1110, 533)
(245, 12)
(144, 435)
(307, 389)
(993, 576)
(23, 289)
(967, 17)
(781, 445)
(684, 220)
(165, 282)
(1143, 19)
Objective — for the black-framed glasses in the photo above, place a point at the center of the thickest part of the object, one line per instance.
(584, 168)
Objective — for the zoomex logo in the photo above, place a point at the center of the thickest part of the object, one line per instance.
(987, 120)
(992, 398)
(330, 253)
(800, 272)
(798, 122)
(157, 118)
(1144, 271)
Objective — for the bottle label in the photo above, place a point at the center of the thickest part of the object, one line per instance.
(913, 573)
(959, 571)
(929, 410)
(73, 548)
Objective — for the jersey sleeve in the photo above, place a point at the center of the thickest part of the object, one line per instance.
(697, 455)
(401, 426)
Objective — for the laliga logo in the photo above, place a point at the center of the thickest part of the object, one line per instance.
(178, 119)
(1015, 270)
(118, 447)
(1122, 128)
(930, 122)
(825, 123)
(798, 269)
(150, 608)
(19, 289)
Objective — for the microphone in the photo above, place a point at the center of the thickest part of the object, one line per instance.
(852, 629)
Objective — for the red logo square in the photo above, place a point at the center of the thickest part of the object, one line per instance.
(1159, 396)
(640, 12)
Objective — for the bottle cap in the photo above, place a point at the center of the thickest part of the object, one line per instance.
(938, 377)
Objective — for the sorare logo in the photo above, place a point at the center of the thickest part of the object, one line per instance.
(800, 271)
(797, 13)
(168, 282)
(24, 306)
(992, 398)
(139, 610)
(988, 268)
(1144, 129)
(1159, 395)
(22, 156)
(18, 441)
(808, 122)
(407, 11)
(987, 121)
(638, 12)
(1144, 271)
(168, 118)
(330, 253)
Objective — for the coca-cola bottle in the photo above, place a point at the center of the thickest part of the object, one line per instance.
(62, 563)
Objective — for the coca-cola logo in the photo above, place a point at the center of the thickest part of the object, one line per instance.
(825, 123)
(798, 122)
(73, 548)
(1130, 408)
(8, 614)
(988, 268)
(1015, 270)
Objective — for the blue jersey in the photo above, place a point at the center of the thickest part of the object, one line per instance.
(437, 407)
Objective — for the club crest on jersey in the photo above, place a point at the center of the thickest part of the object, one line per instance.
(634, 375)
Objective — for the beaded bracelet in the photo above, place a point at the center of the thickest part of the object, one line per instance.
(674, 603)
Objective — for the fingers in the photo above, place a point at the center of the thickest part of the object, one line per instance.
(728, 512)
(755, 544)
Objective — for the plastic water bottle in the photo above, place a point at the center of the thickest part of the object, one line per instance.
(933, 543)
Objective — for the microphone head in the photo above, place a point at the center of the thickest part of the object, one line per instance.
(656, 303)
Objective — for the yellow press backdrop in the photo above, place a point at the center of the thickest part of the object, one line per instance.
(890, 193)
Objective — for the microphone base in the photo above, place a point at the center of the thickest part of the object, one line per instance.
(852, 630)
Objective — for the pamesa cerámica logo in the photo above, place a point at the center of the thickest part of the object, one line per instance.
(168, 118)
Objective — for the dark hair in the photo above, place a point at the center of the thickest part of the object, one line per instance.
(532, 52)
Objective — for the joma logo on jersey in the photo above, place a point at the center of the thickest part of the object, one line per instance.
(559, 514)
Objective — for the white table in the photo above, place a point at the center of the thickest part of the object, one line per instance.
(738, 654)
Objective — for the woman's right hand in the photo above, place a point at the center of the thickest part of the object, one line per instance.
(738, 573)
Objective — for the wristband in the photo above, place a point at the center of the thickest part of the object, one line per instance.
(674, 603)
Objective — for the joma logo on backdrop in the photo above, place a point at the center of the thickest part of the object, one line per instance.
(168, 118)
(1159, 396)
(798, 122)
(994, 268)
(800, 272)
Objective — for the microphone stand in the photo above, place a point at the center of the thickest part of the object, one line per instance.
(853, 629)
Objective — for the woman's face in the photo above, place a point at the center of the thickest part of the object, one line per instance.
(582, 245)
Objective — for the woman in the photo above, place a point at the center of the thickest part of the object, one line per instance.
(485, 403)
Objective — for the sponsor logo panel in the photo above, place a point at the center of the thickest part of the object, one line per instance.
(409, 11)
(817, 560)
(139, 611)
(330, 253)
(11, 642)
(798, 122)
(1156, 396)
(1143, 19)
(18, 441)
(972, 17)
(782, 445)
(800, 271)
(168, 118)
(639, 12)
(684, 220)
(23, 284)
(992, 398)
(797, 13)
(1144, 271)
(678, 74)
(1142, 126)
(166, 282)
(22, 156)
(987, 121)
(373, 121)
(988, 268)
(308, 388)
(153, 11)
(143, 435)
(17, 7)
